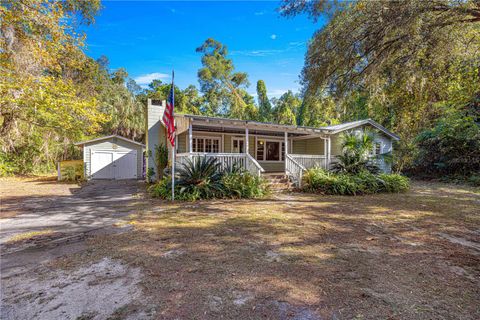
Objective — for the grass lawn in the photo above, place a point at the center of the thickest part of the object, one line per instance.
(296, 256)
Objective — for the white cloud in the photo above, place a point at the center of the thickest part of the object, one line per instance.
(260, 13)
(145, 79)
(256, 53)
(273, 36)
(277, 93)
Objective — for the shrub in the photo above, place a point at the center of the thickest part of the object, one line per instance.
(452, 147)
(356, 149)
(244, 185)
(319, 180)
(394, 183)
(161, 159)
(200, 179)
(204, 179)
(364, 182)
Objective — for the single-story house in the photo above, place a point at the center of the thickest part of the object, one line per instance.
(112, 157)
(259, 147)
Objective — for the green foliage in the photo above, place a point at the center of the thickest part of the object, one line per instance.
(200, 179)
(356, 154)
(161, 159)
(395, 182)
(223, 88)
(363, 182)
(204, 179)
(46, 85)
(452, 147)
(243, 185)
(150, 174)
(264, 105)
(397, 62)
(286, 108)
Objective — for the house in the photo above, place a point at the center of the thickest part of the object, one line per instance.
(256, 146)
(112, 157)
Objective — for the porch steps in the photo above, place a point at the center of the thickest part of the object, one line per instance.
(278, 182)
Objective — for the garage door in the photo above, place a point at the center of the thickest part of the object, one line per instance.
(114, 165)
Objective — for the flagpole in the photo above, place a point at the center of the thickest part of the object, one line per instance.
(175, 141)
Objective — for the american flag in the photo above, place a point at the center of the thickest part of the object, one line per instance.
(168, 119)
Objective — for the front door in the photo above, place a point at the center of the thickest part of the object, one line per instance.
(238, 145)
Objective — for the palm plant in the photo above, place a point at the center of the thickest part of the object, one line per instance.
(200, 179)
(356, 149)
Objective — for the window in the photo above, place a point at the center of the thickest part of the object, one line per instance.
(377, 148)
(209, 145)
(260, 149)
(270, 150)
(238, 145)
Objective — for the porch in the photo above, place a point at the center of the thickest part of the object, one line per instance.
(256, 147)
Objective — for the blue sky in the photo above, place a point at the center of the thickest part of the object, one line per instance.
(150, 38)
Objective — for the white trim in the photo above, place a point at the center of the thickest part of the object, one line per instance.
(220, 147)
(233, 138)
(109, 137)
(265, 150)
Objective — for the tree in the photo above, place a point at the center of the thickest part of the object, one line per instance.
(286, 108)
(186, 101)
(126, 112)
(367, 38)
(220, 83)
(45, 97)
(399, 62)
(264, 105)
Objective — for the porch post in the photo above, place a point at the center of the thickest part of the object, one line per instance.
(286, 150)
(329, 150)
(246, 141)
(325, 151)
(190, 137)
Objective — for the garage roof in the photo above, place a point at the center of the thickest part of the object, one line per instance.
(109, 137)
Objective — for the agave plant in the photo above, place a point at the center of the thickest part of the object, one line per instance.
(356, 150)
(199, 179)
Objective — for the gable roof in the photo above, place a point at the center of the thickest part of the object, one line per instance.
(354, 124)
(109, 137)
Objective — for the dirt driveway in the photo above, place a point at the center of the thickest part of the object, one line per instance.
(294, 256)
(31, 206)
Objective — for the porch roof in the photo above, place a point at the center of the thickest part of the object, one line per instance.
(213, 122)
(209, 122)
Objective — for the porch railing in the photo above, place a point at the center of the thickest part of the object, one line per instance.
(309, 161)
(294, 170)
(253, 166)
(226, 160)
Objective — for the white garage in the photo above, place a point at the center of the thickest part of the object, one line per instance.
(112, 157)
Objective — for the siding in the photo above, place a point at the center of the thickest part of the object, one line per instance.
(384, 140)
(299, 146)
(314, 146)
(155, 132)
(121, 145)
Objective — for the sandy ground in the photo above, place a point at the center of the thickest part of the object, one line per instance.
(295, 256)
(96, 291)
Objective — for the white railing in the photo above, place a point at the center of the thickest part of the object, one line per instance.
(226, 160)
(253, 166)
(294, 170)
(310, 161)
